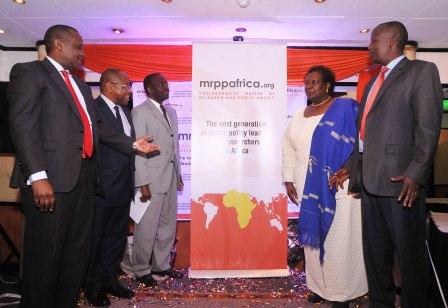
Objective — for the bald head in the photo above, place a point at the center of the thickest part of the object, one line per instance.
(110, 75)
(396, 30)
(115, 85)
(57, 32)
(64, 45)
(387, 42)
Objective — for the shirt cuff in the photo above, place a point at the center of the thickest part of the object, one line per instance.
(36, 176)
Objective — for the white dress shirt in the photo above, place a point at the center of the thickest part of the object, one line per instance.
(124, 119)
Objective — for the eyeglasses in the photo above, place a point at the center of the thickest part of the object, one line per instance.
(312, 82)
(123, 86)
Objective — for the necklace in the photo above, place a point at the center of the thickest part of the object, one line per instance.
(315, 105)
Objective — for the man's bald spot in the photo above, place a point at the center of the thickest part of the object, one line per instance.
(110, 75)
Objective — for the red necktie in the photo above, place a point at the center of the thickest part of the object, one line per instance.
(370, 99)
(87, 147)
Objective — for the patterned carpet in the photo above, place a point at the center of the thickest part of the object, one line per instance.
(255, 292)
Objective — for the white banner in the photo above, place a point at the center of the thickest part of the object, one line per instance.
(239, 111)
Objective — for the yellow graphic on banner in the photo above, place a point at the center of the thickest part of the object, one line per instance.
(242, 204)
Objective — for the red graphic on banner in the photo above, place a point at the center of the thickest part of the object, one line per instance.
(234, 231)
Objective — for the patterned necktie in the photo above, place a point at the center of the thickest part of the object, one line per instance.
(370, 99)
(87, 147)
(118, 116)
(164, 114)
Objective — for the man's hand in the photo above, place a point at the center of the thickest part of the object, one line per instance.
(43, 195)
(338, 178)
(355, 195)
(291, 191)
(143, 145)
(409, 191)
(180, 184)
(146, 193)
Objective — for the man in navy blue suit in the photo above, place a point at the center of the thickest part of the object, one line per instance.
(112, 209)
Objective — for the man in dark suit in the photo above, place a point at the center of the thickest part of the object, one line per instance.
(110, 226)
(55, 134)
(399, 125)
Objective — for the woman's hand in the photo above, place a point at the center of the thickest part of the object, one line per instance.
(291, 191)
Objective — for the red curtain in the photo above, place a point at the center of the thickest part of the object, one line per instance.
(364, 78)
(344, 63)
(174, 62)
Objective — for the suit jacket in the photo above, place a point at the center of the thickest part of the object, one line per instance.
(156, 169)
(402, 129)
(116, 169)
(46, 127)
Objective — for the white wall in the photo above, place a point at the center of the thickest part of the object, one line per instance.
(440, 59)
(9, 58)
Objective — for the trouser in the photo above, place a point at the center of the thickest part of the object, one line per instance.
(388, 229)
(56, 245)
(154, 235)
(110, 230)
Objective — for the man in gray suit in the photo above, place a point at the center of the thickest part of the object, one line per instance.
(398, 133)
(158, 176)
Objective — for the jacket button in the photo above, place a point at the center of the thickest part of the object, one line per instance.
(81, 131)
(172, 135)
(171, 161)
(80, 148)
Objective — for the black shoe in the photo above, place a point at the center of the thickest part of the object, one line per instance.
(148, 280)
(169, 273)
(116, 289)
(340, 305)
(315, 298)
(97, 298)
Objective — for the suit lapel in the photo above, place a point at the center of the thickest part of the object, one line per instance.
(59, 81)
(108, 113)
(158, 114)
(393, 75)
(169, 114)
(87, 95)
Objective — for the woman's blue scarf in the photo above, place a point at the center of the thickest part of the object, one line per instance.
(332, 143)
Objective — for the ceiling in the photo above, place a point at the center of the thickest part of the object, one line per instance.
(295, 22)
